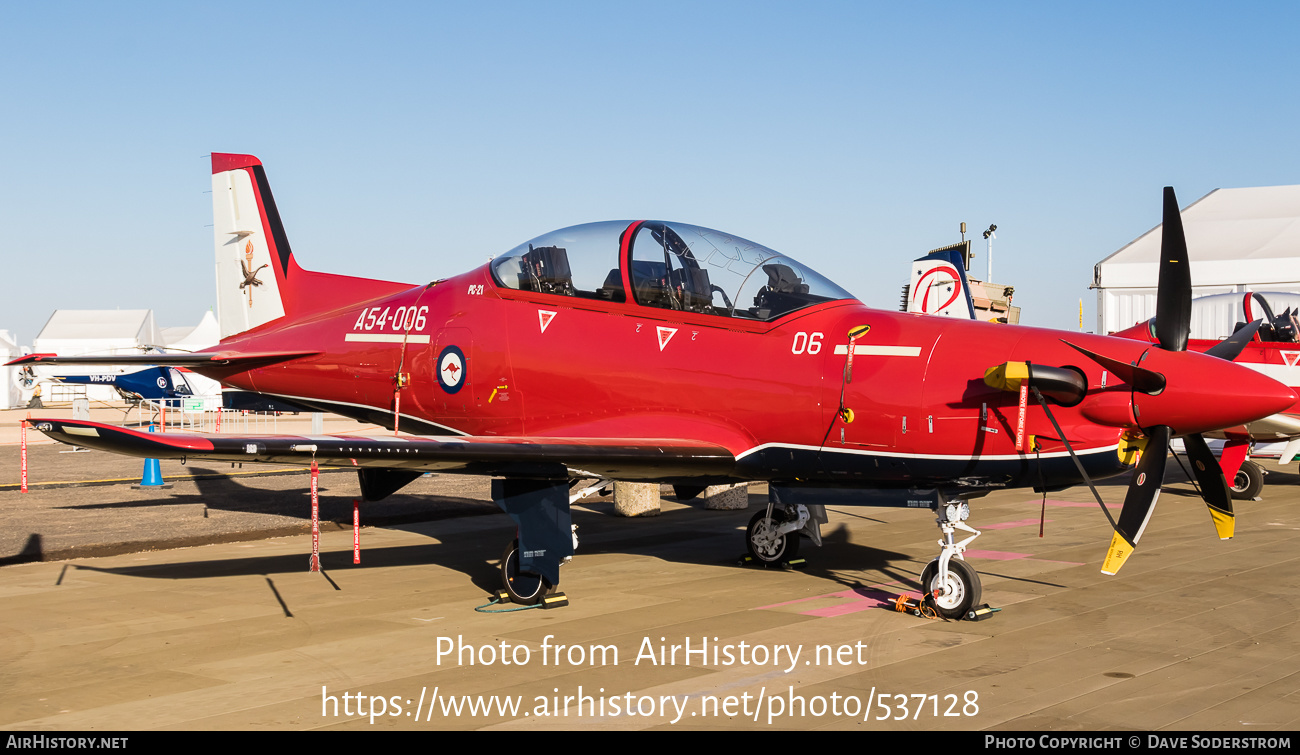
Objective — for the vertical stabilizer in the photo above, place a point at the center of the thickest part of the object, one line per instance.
(254, 261)
(938, 285)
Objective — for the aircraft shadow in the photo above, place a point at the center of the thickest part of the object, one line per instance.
(687, 535)
(219, 492)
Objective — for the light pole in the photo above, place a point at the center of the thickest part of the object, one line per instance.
(989, 235)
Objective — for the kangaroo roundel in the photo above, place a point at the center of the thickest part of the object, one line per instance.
(451, 369)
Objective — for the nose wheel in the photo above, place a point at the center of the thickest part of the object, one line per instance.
(957, 592)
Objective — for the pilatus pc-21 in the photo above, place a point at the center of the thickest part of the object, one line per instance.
(665, 352)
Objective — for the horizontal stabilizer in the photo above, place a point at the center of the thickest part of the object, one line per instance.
(624, 459)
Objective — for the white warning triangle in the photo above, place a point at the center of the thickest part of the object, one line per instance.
(544, 318)
(1290, 357)
(665, 335)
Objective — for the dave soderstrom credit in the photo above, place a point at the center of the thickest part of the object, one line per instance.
(767, 705)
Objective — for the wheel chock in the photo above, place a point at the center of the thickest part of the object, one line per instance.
(555, 600)
(981, 612)
(501, 596)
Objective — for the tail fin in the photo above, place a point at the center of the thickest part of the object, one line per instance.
(938, 285)
(254, 261)
(257, 278)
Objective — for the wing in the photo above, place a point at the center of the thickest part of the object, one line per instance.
(243, 360)
(545, 458)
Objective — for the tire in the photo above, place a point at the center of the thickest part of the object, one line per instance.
(1249, 482)
(964, 584)
(766, 548)
(524, 588)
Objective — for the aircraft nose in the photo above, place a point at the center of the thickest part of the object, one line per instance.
(1205, 393)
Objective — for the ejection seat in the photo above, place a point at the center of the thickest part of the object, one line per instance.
(785, 291)
(546, 269)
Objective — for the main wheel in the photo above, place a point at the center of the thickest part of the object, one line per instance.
(764, 544)
(1249, 482)
(961, 591)
(525, 588)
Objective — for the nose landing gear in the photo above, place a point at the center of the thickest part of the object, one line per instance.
(954, 584)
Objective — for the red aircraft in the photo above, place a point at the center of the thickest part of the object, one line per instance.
(665, 352)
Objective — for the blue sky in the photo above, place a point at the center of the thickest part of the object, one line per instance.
(410, 141)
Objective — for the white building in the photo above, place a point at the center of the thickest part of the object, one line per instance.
(11, 394)
(1237, 240)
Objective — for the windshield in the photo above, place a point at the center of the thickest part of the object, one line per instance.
(673, 266)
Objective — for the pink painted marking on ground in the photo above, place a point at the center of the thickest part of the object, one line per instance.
(858, 594)
(866, 599)
(1012, 525)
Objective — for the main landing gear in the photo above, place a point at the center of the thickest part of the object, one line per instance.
(526, 588)
(773, 534)
(952, 583)
(1249, 482)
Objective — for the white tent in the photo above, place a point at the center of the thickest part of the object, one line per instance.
(197, 338)
(76, 332)
(97, 332)
(1237, 240)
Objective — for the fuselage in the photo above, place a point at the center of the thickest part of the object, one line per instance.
(636, 330)
(551, 365)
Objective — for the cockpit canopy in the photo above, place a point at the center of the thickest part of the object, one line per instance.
(1218, 316)
(672, 266)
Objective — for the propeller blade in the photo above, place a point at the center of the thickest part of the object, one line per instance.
(1174, 290)
(1230, 347)
(1140, 500)
(1140, 378)
(1214, 486)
